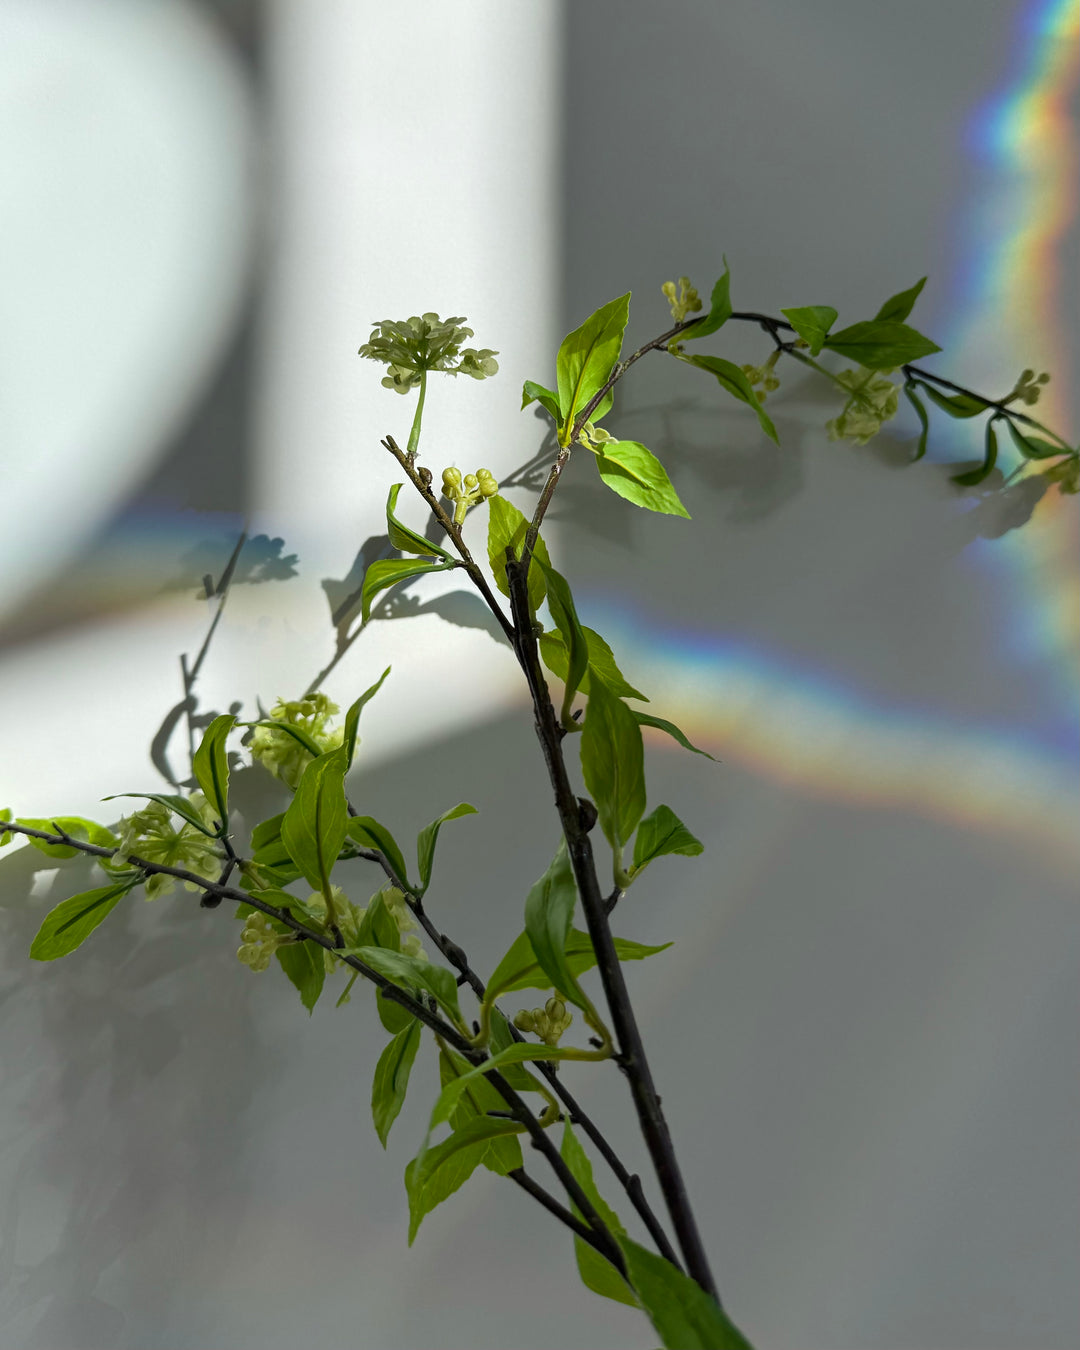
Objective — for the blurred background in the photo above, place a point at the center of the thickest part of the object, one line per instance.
(865, 1032)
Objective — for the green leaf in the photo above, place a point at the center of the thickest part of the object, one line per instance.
(1033, 447)
(575, 644)
(660, 833)
(735, 382)
(811, 322)
(468, 1080)
(378, 927)
(956, 405)
(475, 1098)
(72, 921)
(210, 764)
(410, 973)
(613, 764)
(635, 473)
(900, 305)
(684, 1315)
(719, 309)
(532, 392)
(87, 830)
(392, 1015)
(180, 805)
(601, 661)
(586, 358)
(309, 743)
(519, 1078)
(313, 829)
(645, 719)
(352, 718)
(406, 540)
(924, 421)
(391, 1080)
(368, 833)
(881, 344)
(388, 572)
(267, 832)
(597, 1272)
(549, 912)
(506, 529)
(976, 476)
(305, 966)
(5, 835)
(519, 968)
(447, 1166)
(426, 840)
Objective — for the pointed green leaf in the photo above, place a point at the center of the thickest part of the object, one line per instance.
(267, 832)
(309, 743)
(378, 927)
(180, 805)
(448, 1165)
(975, 476)
(392, 1015)
(586, 358)
(735, 382)
(506, 529)
(210, 764)
(410, 972)
(660, 833)
(613, 764)
(5, 835)
(549, 912)
(635, 473)
(313, 829)
(924, 420)
(475, 1098)
(352, 717)
(900, 305)
(519, 968)
(406, 540)
(597, 1272)
(564, 612)
(812, 323)
(684, 1315)
(881, 344)
(388, 572)
(469, 1080)
(956, 405)
(601, 661)
(532, 392)
(1033, 447)
(87, 830)
(391, 1080)
(305, 966)
(645, 719)
(719, 309)
(519, 1078)
(368, 833)
(427, 838)
(72, 921)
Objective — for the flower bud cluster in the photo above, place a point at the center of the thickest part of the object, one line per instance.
(464, 492)
(874, 399)
(259, 942)
(594, 437)
(410, 347)
(548, 1022)
(1027, 387)
(683, 301)
(150, 834)
(282, 753)
(764, 376)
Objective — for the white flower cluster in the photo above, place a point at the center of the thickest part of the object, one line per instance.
(280, 751)
(874, 399)
(151, 835)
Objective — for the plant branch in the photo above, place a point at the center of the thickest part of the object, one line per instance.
(527, 1183)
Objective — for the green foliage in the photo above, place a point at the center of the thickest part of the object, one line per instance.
(506, 530)
(635, 473)
(899, 306)
(660, 833)
(520, 968)
(613, 764)
(378, 927)
(426, 840)
(388, 572)
(549, 913)
(645, 719)
(175, 802)
(601, 660)
(392, 1014)
(72, 921)
(719, 309)
(920, 412)
(532, 392)
(596, 1271)
(956, 405)
(812, 323)
(684, 1315)
(976, 476)
(405, 539)
(1032, 447)
(210, 765)
(313, 829)
(368, 833)
(445, 1168)
(734, 380)
(881, 344)
(5, 835)
(75, 826)
(586, 359)
(412, 973)
(574, 642)
(391, 1080)
(304, 964)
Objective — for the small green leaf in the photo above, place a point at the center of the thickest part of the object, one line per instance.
(477, 1097)
(309, 743)
(976, 476)
(392, 1015)
(881, 344)
(575, 644)
(1033, 447)
(378, 927)
(469, 1079)
(210, 764)
(519, 1078)
(305, 966)
(352, 718)
(645, 719)
(735, 382)
(719, 309)
(924, 421)
(597, 1272)
(368, 833)
(684, 1315)
(601, 661)
(388, 572)
(660, 833)
(586, 358)
(812, 323)
(635, 473)
(427, 838)
(506, 529)
(313, 829)
(613, 764)
(549, 912)
(532, 392)
(447, 1166)
(406, 540)
(267, 832)
(519, 968)
(900, 305)
(180, 805)
(391, 1080)
(5, 835)
(72, 921)
(956, 405)
(409, 972)
(87, 830)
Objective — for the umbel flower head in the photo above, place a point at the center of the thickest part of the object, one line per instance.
(874, 399)
(410, 347)
(281, 752)
(151, 835)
